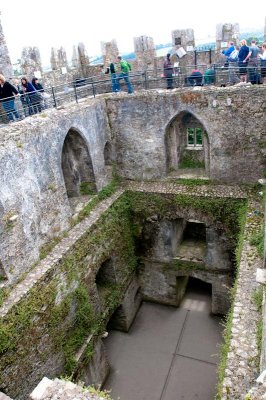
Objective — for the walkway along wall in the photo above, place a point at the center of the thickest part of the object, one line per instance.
(34, 206)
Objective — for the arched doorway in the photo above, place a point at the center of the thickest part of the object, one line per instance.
(187, 144)
(77, 166)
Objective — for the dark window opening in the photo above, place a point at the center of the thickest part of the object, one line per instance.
(194, 137)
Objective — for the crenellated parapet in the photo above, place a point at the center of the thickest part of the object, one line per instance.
(145, 52)
(225, 33)
(109, 51)
(30, 61)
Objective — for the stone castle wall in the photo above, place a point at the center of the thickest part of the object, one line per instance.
(34, 202)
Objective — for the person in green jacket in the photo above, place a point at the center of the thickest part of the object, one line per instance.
(209, 76)
(125, 68)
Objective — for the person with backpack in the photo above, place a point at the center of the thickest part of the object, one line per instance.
(233, 66)
(125, 68)
(111, 69)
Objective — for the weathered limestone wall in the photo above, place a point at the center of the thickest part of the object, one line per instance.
(168, 257)
(61, 304)
(32, 185)
(236, 154)
(64, 390)
(242, 364)
(34, 205)
(5, 63)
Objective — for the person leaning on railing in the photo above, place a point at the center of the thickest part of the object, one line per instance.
(7, 98)
(35, 99)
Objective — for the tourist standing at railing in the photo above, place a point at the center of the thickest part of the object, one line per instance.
(7, 98)
(242, 61)
(233, 66)
(263, 63)
(227, 53)
(209, 76)
(33, 97)
(168, 69)
(253, 62)
(125, 68)
(45, 96)
(111, 69)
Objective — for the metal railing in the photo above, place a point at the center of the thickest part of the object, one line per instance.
(24, 105)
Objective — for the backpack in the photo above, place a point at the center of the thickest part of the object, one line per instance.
(233, 56)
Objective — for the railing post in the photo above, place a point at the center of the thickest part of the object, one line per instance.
(93, 88)
(210, 56)
(195, 57)
(145, 80)
(53, 94)
(75, 92)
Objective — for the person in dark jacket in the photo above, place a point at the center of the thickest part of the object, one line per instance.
(243, 61)
(195, 79)
(35, 82)
(34, 98)
(112, 70)
(168, 71)
(7, 93)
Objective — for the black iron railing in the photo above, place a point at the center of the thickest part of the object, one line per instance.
(28, 104)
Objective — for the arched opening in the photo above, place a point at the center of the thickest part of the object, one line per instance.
(197, 295)
(193, 245)
(105, 280)
(187, 145)
(77, 166)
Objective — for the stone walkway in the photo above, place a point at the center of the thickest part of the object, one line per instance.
(169, 353)
(233, 191)
(242, 363)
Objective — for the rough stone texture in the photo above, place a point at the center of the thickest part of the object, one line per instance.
(145, 53)
(63, 390)
(225, 33)
(4, 396)
(183, 38)
(34, 189)
(40, 356)
(58, 59)
(30, 61)
(124, 316)
(136, 128)
(242, 361)
(109, 52)
(97, 369)
(5, 63)
(141, 123)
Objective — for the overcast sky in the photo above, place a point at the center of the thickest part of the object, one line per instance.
(54, 23)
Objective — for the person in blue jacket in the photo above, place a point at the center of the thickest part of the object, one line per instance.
(33, 97)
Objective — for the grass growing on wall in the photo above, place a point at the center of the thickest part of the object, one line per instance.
(227, 334)
(62, 305)
(70, 319)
